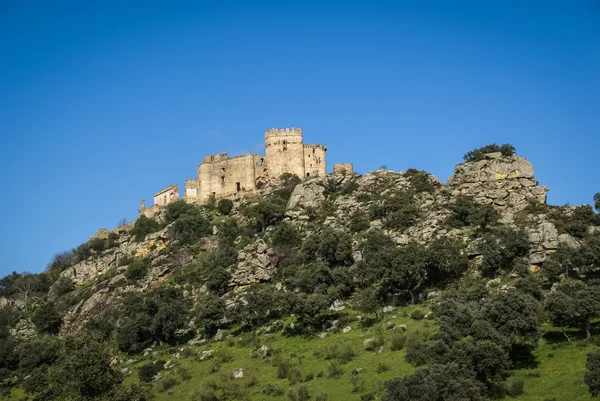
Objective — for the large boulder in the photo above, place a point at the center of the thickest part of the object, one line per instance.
(503, 181)
(256, 262)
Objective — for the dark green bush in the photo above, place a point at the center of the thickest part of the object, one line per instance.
(349, 187)
(398, 210)
(142, 227)
(136, 270)
(62, 286)
(225, 206)
(514, 386)
(46, 318)
(148, 371)
(359, 222)
(500, 249)
(190, 227)
(286, 234)
(420, 180)
(479, 153)
(467, 212)
(398, 341)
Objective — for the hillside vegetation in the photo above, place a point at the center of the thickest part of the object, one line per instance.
(386, 286)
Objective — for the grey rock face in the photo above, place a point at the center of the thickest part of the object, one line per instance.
(256, 262)
(503, 181)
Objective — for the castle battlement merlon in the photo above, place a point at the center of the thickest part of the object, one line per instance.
(283, 132)
(313, 146)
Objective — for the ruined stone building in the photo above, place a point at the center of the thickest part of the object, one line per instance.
(221, 176)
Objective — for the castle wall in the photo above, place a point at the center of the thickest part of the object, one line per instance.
(223, 176)
(314, 161)
(284, 151)
(343, 168)
(191, 194)
(167, 195)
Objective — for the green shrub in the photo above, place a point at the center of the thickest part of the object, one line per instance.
(349, 187)
(479, 153)
(322, 397)
(335, 370)
(46, 318)
(514, 386)
(142, 227)
(398, 341)
(266, 211)
(223, 355)
(183, 373)
(417, 314)
(225, 206)
(299, 394)
(190, 227)
(500, 249)
(398, 210)
(359, 222)
(166, 382)
(286, 234)
(420, 180)
(136, 270)
(467, 212)
(62, 286)
(60, 262)
(273, 390)
(382, 367)
(204, 394)
(148, 371)
(179, 208)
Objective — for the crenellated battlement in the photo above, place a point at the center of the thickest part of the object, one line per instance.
(220, 175)
(275, 132)
(311, 146)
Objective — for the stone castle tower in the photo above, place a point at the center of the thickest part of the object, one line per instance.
(221, 176)
(287, 153)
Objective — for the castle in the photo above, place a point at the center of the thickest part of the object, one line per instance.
(222, 176)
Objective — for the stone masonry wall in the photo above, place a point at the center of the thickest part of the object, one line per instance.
(227, 176)
(167, 195)
(314, 161)
(343, 168)
(285, 152)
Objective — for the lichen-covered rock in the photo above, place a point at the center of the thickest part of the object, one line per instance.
(97, 265)
(503, 181)
(310, 193)
(256, 262)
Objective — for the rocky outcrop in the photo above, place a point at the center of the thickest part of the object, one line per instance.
(310, 193)
(256, 262)
(544, 240)
(97, 265)
(503, 181)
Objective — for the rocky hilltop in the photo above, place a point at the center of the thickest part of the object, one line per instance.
(337, 201)
(251, 294)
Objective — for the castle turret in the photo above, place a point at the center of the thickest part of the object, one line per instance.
(285, 151)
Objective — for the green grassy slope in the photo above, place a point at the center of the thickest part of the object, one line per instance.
(556, 372)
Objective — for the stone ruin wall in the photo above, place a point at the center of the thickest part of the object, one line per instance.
(314, 161)
(167, 195)
(223, 176)
(343, 168)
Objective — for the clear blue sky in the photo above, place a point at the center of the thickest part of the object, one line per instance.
(102, 105)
